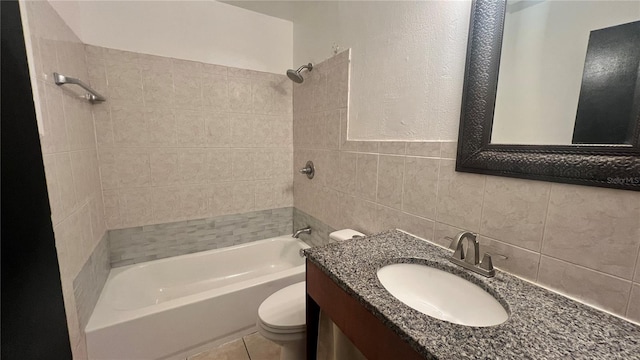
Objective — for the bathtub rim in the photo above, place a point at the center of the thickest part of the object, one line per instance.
(110, 317)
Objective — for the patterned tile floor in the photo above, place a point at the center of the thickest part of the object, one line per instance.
(250, 347)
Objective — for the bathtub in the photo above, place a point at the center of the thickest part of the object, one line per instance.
(175, 307)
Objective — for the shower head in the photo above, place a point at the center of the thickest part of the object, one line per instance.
(295, 75)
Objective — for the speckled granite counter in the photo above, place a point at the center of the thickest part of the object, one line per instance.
(541, 325)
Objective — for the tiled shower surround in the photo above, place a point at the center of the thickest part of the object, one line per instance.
(70, 159)
(581, 241)
(151, 242)
(175, 141)
(180, 140)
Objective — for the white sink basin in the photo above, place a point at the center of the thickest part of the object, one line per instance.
(442, 295)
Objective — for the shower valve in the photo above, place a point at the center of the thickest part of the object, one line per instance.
(308, 170)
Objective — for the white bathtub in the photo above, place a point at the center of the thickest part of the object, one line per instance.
(174, 307)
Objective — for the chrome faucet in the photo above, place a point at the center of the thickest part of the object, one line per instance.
(306, 230)
(470, 259)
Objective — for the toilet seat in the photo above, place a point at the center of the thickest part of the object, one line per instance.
(274, 331)
(283, 312)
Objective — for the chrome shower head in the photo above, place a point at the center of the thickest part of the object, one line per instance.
(295, 75)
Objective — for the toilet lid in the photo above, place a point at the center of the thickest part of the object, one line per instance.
(285, 308)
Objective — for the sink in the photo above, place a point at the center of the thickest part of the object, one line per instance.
(442, 295)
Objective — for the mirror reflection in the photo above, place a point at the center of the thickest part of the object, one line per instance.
(569, 73)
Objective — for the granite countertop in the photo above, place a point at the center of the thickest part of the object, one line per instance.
(541, 324)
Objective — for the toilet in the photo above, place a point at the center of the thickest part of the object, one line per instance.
(282, 316)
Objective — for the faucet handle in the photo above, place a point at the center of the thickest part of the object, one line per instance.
(308, 169)
(486, 263)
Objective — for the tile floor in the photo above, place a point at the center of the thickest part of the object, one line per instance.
(250, 347)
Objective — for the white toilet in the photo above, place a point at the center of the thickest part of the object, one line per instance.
(281, 316)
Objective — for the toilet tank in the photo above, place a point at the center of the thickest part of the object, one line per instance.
(344, 234)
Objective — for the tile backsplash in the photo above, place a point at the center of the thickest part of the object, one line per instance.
(580, 241)
(151, 242)
(180, 140)
(319, 231)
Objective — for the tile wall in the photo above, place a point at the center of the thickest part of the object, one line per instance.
(87, 286)
(71, 164)
(581, 241)
(180, 140)
(319, 230)
(151, 242)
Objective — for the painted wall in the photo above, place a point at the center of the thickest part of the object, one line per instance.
(206, 31)
(407, 62)
(580, 241)
(71, 165)
(541, 66)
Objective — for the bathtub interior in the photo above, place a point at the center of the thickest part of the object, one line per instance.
(142, 289)
(156, 282)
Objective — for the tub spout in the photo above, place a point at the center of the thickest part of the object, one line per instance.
(306, 230)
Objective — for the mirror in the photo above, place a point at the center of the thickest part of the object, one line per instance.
(552, 92)
(568, 73)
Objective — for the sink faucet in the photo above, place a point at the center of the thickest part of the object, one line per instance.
(470, 259)
(457, 246)
(306, 230)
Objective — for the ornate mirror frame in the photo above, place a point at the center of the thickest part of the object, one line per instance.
(605, 166)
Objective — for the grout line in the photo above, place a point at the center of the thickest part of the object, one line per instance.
(377, 177)
(588, 268)
(246, 349)
(404, 174)
(190, 147)
(544, 231)
(438, 180)
(484, 193)
(433, 232)
(635, 269)
(449, 225)
(626, 308)
(509, 244)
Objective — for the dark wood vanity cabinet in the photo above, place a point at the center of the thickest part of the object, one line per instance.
(373, 338)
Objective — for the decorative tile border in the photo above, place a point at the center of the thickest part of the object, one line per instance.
(151, 242)
(319, 231)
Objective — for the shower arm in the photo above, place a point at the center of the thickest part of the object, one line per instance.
(309, 66)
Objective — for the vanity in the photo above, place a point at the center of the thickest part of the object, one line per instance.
(342, 280)
(550, 116)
